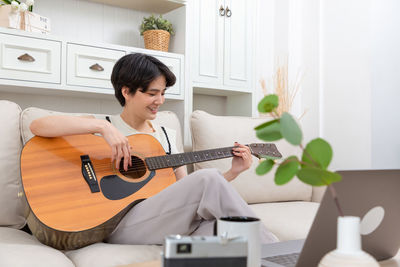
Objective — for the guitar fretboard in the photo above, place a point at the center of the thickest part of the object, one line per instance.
(176, 160)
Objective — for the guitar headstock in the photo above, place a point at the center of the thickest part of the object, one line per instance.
(265, 150)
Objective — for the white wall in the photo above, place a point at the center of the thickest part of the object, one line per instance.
(385, 36)
(349, 54)
(346, 81)
(94, 22)
(310, 65)
(288, 30)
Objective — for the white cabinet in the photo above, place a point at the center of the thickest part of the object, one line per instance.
(29, 59)
(91, 66)
(175, 62)
(176, 66)
(54, 65)
(223, 40)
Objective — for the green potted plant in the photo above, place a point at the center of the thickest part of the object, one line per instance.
(156, 32)
(312, 169)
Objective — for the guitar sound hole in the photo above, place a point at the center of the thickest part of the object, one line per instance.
(137, 170)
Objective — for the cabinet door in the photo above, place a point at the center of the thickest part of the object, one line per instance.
(30, 59)
(175, 65)
(91, 66)
(238, 41)
(208, 42)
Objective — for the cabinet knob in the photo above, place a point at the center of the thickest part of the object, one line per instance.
(96, 67)
(221, 11)
(228, 12)
(26, 57)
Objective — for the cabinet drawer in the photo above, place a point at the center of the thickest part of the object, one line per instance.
(91, 66)
(174, 64)
(30, 59)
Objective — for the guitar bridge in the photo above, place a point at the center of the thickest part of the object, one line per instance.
(89, 174)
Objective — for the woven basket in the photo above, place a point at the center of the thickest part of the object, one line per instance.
(156, 40)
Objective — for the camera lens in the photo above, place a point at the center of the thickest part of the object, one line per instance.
(184, 248)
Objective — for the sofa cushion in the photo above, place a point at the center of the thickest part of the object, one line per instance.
(13, 207)
(287, 220)
(19, 249)
(164, 118)
(209, 131)
(105, 255)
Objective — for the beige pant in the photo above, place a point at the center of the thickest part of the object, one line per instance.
(187, 207)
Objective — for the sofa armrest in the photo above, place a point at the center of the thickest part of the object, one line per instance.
(317, 193)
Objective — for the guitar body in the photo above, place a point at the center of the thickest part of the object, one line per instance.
(65, 212)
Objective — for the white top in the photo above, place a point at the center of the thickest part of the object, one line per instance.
(158, 133)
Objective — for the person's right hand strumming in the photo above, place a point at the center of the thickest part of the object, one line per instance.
(120, 147)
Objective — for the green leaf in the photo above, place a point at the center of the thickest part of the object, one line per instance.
(290, 130)
(287, 170)
(265, 124)
(318, 177)
(270, 132)
(268, 103)
(320, 151)
(270, 157)
(264, 167)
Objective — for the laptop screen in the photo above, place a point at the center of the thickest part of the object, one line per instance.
(359, 192)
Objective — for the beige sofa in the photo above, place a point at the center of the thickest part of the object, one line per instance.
(286, 210)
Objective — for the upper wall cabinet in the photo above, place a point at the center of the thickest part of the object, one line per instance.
(223, 37)
(59, 66)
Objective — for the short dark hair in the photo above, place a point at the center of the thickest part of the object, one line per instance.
(138, 71)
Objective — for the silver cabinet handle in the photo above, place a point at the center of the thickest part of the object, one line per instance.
(228, 12)
(221, 11)
(26, 57)
(96, 67)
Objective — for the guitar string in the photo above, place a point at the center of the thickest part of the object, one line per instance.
(136, 165)
(143, 166)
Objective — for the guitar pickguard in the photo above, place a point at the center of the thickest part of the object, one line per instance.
(115, 188)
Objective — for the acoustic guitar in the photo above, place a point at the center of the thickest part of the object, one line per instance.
(77, 196)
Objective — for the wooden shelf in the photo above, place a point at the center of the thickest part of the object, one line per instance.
(151, 6)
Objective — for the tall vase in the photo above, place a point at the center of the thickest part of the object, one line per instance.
(348, 252)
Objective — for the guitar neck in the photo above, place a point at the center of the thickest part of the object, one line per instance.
(176, 160)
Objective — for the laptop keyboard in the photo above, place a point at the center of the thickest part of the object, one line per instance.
(287, 260)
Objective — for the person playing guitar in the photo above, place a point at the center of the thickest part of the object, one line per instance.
(189, 206)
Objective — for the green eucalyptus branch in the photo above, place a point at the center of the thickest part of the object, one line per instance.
(335, 199)
(316, 156)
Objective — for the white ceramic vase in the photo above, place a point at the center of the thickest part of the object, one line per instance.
(348, 252)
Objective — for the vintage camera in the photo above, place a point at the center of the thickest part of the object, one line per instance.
(200, 251)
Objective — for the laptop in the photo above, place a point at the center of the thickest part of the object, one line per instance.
(358, 192)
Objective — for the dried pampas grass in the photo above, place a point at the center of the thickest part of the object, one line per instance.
(283, 88)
